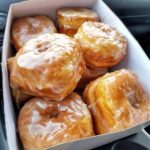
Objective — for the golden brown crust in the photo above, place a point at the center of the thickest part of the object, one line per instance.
(101, 44)
(70, 19)
(18, 96)
(24, 29)
(117, 101)
(50, 65)
(90, 74)
(43, 124)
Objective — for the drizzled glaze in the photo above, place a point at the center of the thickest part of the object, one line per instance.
(24, 29)
(117, 101)
(101, 44)
(50, 65)
(18, 96)
(70, 13)
(70, 19)
(46, 123)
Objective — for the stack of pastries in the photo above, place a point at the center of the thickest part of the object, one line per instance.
(50, 68)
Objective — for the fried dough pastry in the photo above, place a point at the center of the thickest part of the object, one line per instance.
(43, 124)
(117, 101)
(90, 74)
(24, 29)
(70, 19)
(18, 96)
(48, 66)
(101, 44)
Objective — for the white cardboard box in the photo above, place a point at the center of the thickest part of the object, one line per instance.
(135, 60)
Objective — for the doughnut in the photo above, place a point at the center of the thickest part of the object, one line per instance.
(70, 19)
(90, 74)
(18, 96)
(102, 45)
(49, 66)
(117, 101)
(27, 28)
(43, 124)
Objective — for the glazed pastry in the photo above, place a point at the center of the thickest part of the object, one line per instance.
(43, 124)
(70, 19)
(101, 44)
(18, 96)
(50, 66)
(90, 74)
(117, 101)
(24, 29)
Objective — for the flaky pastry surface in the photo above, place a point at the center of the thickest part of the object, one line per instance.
(102, 45)
(70, 19)
(43, 124)
(50, 65)
(117, 101)
(18, 96)
(24, 29)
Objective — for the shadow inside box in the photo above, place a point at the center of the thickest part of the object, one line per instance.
(147, 129)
